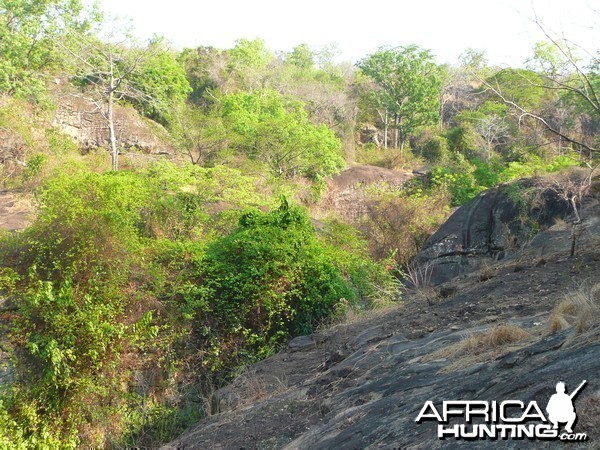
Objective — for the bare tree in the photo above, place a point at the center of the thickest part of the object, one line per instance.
(494, 130)
(572, 189)
(563, 72)
(198, 135)
(104, 72)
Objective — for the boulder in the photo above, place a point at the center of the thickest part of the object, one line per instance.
(346, 192)
(490, 226)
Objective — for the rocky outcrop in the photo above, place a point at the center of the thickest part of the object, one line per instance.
(495, 224)
(379, 408)
(371, 397)
(346, 192)
(80, 119)
(16, 211)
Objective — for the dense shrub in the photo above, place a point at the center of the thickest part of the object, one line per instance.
(270, 278)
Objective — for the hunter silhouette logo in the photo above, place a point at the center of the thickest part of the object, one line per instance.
(508, 419)
(560, 407)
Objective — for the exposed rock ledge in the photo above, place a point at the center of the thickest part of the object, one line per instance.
(78, 118)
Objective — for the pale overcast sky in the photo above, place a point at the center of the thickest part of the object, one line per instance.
(447, 27)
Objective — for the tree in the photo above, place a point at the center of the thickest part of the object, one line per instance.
(28, 32)
(302, 57)
(204, 68)
(558, 71)
(115, 69)
(201, 136)
(493, 129)
(410, 83)
(163, 81)
(250, 53)
(276, 130)
(572, 188)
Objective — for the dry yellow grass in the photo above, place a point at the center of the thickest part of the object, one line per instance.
(579, 309)
(480, 346)
(248, 388)
(493, 339)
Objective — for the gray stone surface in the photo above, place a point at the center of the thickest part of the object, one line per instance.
(302, 344)
(490, 227)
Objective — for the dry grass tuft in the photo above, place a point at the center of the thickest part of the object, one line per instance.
(486, 272)
(496, 337)
(560, 224)
(480, 346)
(580, 309)
(249, 388)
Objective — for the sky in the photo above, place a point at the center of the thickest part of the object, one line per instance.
(503, 28)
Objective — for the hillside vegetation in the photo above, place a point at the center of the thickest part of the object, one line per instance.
(184, 235)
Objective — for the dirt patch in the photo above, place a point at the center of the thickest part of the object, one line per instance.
(16, 210)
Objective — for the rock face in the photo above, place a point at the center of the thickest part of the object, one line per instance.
(491, 226)
(371, 397)
(81, 120)
(380, 407)
(15, 211)
(346, 194)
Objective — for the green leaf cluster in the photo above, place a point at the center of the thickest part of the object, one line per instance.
(276, 130)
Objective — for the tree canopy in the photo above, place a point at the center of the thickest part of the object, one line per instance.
(409, 84)
(275, 129)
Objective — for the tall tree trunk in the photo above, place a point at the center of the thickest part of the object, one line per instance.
(112, 138)
(403, 136)
(385, 130)
(395, 130)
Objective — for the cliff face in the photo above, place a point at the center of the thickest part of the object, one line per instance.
(80, 119)
(346, 192)
(491, 333)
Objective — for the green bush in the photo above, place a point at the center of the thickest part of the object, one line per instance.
(276, 130)
(435, 150)
(270, 278)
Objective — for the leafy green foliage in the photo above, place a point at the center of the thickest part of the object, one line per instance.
(410, 83)
(465, 179)
(29, 30)
(270, 278)
(276, 130)
(201, 136)
(162, 79)
(250, 53)
(522, 86)
(121, 270)
(302, 57)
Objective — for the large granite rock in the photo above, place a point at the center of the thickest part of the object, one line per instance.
(496, 223)
(346, 193)
(371, 398)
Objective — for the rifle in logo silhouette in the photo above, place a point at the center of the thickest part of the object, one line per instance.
(576, 391)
